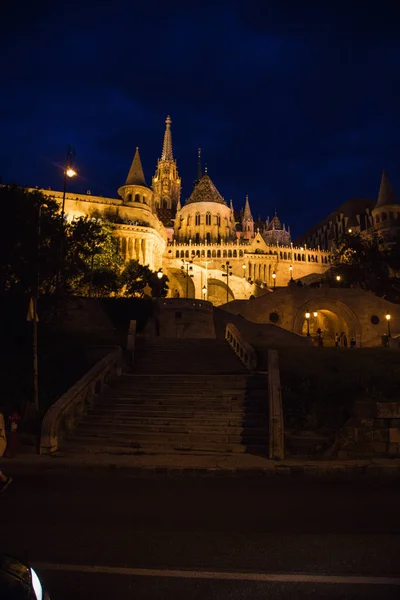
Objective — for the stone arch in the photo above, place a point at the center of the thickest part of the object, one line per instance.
(177, 281)
(333, 317)
(217, 292)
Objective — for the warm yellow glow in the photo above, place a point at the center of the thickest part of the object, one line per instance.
(204, 290)
(350, 230)
(159, 274)
(301, 248)
(243, 266)
(308, 315)
(273, 275)
(70, 172)
(315, 313)
(388, 317)
(290, 268)
(338, 278)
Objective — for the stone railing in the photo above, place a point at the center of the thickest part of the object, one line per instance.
(243, 349)
(62, 416)
(276, 423)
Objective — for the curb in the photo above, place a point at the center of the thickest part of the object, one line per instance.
(274, 470)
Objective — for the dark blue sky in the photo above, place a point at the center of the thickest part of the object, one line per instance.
(295, 103)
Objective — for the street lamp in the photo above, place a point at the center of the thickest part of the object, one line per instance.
(69, 172)
(291, 272)
(187, 271)
(274, 278)
(315, 314)
(159, 274)
(204, 290)
(244, 270)
(388, 317)
(307, 315)
(228, 272)
(338, 278)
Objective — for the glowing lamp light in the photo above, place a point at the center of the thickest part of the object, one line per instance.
(244, 267)
(159, 274)
(290, 268)
(273, 275)
(387, 317)
(338, 278)
(350, 230)
(315, 314)
(70, 172)
(308, 315)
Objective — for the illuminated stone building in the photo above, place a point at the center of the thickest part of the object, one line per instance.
(203, 248)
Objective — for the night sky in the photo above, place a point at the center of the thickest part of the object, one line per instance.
(295, 103)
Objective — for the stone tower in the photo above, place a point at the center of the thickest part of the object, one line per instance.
(247, 221)
(166, 181)
(135, 189)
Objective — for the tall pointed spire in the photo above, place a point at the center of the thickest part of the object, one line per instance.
(167, 145)
(247, 212)
(136, 175)
(386, 195)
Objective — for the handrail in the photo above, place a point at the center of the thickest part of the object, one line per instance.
(62, 415)
(243, 349)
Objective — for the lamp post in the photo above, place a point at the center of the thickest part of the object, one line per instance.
(69, 172)
(204, 290)
(274, 278)
(186, 268)
(338, 278)
(244, 270)
(307, 315)
(159, 274)
(291, 272)
(388, 317)
(228, 272)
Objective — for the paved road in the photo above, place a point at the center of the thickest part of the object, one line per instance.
(223, 537)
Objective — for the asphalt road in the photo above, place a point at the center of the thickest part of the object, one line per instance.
(218, 537)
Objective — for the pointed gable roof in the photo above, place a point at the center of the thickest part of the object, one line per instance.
(205, 191)
(136, 175)
(167, 145)
(386, 195)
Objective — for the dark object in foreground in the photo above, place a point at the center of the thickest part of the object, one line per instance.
(18, 581)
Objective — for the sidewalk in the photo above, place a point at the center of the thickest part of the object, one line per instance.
(201, 463)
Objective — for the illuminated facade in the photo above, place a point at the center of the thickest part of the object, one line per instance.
(206, 250)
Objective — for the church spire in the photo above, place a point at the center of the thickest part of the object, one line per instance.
(136, 175)
(247, 212)
(167, 145)
(386, 195)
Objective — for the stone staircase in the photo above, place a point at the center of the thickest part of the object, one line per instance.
(181, 396)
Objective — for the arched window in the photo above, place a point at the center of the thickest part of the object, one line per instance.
(177, 254)
(218, 220)
(234, 254)
(187, 254)
(188, 220)
(240, 252)
(198, 253)
(229, 253)
(182, 254)
(197, 219)
(208, 253)
(224, 254)
(208, 238)
(214, 254)
(137, 198)
(197, 238)
(218, 253)
(208, 218)
(129, 197)
(383, 216)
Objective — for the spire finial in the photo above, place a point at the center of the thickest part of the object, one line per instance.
(167, 145)
(199, 173)
(247, 212)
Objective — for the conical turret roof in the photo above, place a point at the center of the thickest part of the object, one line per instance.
(386, 195)
(247, 216)
(136, 175)
(205, 191)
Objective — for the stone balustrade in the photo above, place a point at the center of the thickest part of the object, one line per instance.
(276, 421)
(64, 413)
(243, 349)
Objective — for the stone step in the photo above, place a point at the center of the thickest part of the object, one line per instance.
(215, 421)
(162, 437)
(185, 427)
(171, 411)
(93, 447)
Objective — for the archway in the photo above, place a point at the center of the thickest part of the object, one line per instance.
(216, 292)
(179, 285)
(331, 317)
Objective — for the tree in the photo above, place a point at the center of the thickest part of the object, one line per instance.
(29, 236)
(103, 282)
(135, 277)
(363, 261)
